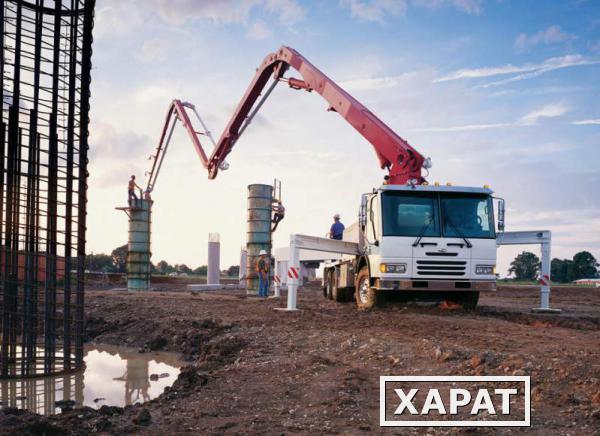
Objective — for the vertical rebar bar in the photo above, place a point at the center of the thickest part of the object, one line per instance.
(45, 65)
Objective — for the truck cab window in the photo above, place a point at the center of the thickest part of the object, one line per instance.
(468, 216)
(406, 214)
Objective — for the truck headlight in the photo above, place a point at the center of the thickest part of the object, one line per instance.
(399, 268)
(487, 270)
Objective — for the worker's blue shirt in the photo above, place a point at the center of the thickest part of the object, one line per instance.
(337, 230)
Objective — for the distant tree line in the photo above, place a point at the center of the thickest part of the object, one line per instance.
(582, 266)
(527, 266)
(116, 262)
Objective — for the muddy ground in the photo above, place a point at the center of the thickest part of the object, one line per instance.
(254, 370)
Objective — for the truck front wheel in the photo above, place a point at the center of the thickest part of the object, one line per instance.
(468, 300)
(366, 297)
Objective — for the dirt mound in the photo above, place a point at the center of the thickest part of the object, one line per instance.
(220, 352)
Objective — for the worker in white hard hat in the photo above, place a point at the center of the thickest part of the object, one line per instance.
(337, 228)
(262, 269)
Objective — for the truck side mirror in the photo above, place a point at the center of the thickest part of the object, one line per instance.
(501, 212)
(362, 213)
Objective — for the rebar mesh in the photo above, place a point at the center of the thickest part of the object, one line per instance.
(45, 69)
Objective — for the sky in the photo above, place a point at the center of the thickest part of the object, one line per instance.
(503, 93)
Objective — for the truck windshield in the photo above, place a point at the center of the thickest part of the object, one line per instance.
(453, 215)
(410, 214)
(467, 215)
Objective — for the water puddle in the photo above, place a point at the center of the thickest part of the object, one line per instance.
(113, 376)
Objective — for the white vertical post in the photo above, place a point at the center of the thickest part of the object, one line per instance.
(276, 282)
(293, 278)
(545, 279)
(243, 265)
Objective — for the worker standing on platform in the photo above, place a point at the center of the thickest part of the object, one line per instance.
(278, 216)
(262, 269)
(131, 191)
(337, 228)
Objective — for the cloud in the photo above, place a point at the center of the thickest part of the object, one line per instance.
(374, 10)
(289, 11)
(552, 35)
(549, 111)
(109, 143)
(154, 94)
(119, 18)
(365, 84)
(468, 6)
(378, 10)
(522, 71)
(154, 50)
(466, 128)
(116, 19)
(258, 30)
(586, 122)
(178, 12)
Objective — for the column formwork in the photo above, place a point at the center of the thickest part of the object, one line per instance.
(258, 236)
(139, 254)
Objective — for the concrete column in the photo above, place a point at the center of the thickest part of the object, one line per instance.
(213, 274)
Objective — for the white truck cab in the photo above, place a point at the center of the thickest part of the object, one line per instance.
(416, 239)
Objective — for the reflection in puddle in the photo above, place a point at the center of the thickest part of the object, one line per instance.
(114, 376)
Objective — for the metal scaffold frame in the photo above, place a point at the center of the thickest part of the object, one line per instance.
(45, 69)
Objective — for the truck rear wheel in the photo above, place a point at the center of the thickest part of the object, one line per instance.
(328, 289)
(366, 297)
(337, 294)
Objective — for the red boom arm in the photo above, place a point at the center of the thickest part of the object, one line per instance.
(394, 153)
(403, 162)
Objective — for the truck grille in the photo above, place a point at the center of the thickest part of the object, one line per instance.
(441, 267)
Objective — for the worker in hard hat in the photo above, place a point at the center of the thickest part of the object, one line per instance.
(131, 191)
(337, 228)
(279, 214)
(262, 269)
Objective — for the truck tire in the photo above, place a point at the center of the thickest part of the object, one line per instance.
(366, 297)
(327, 290)
(468, 299)
(337, 293)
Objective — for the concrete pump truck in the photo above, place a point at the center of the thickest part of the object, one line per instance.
(412, 237)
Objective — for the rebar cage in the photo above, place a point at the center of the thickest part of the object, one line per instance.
(45, 69)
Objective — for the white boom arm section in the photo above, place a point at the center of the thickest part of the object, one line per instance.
(544, 239)
(305, 242)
